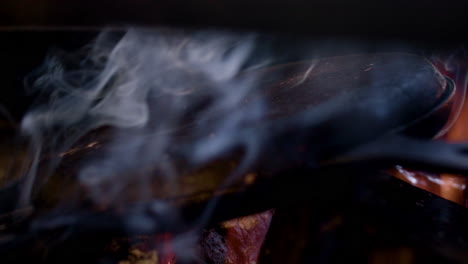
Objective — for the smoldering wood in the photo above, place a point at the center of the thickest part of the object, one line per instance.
(315, 91)
(316, 109)
(61, 213)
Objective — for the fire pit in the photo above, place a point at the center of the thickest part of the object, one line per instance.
(171, 146)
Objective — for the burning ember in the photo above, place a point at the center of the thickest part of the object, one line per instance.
(449, 186)
(233, 241)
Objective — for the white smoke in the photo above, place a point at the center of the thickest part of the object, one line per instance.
(157, 89)
(171, 99)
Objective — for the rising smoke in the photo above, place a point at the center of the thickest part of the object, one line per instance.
(174, 99)
(156, 90)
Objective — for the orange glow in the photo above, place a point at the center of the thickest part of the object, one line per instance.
(453, 186)
(448, 186)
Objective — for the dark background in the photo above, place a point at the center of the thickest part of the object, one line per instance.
(418, 20)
